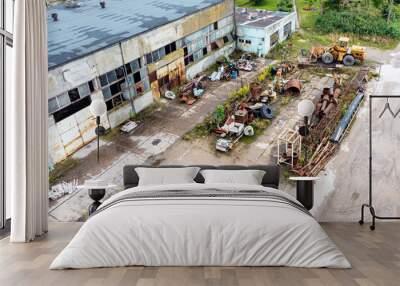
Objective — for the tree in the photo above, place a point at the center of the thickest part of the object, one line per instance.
(256, 2)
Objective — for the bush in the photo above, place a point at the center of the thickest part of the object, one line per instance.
(285, 5)
(359, 23)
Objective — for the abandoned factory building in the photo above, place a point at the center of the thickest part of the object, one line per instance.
(128, 53)
(258, 31)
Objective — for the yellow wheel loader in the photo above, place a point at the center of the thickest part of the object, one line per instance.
(340, 52)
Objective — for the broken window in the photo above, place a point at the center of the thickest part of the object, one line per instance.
(139, 88)
(136, 77)
(72, 109)
(248, 42)
(74, 94)
(64, 100)
(216, 26)
(173, 47)
(167, 49)
(91, 86)
(274, 38)
(226, 40)
(128, 68)
(204, 51)
(115, 88)
(120, 72)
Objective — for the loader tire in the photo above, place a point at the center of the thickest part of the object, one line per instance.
(348, 60)
(327, 58)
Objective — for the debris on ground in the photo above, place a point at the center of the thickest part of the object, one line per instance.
(62, 189)
(129, 127)
(329, 129)
(193, 90)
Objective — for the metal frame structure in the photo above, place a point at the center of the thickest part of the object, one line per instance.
(6, 39)
(369, 205)
(290, 138)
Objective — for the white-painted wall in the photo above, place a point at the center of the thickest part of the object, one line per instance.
(260, 37)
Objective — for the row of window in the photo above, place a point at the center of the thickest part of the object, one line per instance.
(245, 41)
(63, 100)
(119, 85)
(191, 46)
(130, 80)
(162, 52)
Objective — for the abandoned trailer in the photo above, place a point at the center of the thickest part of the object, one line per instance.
(258, 31)
(129, 53)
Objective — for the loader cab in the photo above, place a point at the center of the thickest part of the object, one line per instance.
(343, 42)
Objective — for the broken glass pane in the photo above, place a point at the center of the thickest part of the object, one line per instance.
(74, 94)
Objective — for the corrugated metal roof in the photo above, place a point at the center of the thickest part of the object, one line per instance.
(258, 18)
(88, 28)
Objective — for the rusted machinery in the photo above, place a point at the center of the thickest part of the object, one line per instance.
(339, 52)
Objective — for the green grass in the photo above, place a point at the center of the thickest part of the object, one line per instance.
(308, 36)
(265, 4)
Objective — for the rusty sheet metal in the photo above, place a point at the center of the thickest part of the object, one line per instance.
(293, 85)
(166, 60)
(155, 90)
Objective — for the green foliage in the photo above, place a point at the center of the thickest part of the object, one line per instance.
(255, 2)
(285, 5)
(237, 96)
(359, 23)
(265, 73)
(219, 114)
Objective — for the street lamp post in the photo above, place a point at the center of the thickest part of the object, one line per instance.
(98, 108)
(305, 109)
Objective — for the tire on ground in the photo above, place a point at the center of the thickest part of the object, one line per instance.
(348, 60)
(327, 58)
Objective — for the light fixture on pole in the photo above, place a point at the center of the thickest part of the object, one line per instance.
(98, 108)
(305, 109)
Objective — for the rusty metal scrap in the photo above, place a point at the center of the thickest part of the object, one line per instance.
(293, 85)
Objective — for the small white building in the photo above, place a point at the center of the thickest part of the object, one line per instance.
(258, 31)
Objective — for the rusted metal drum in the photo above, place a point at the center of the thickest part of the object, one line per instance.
(294, 86)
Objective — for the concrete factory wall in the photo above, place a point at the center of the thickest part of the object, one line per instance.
(71, 133)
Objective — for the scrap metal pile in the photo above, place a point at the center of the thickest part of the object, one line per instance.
(326, 133)
(257, 103)
(192, 91)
